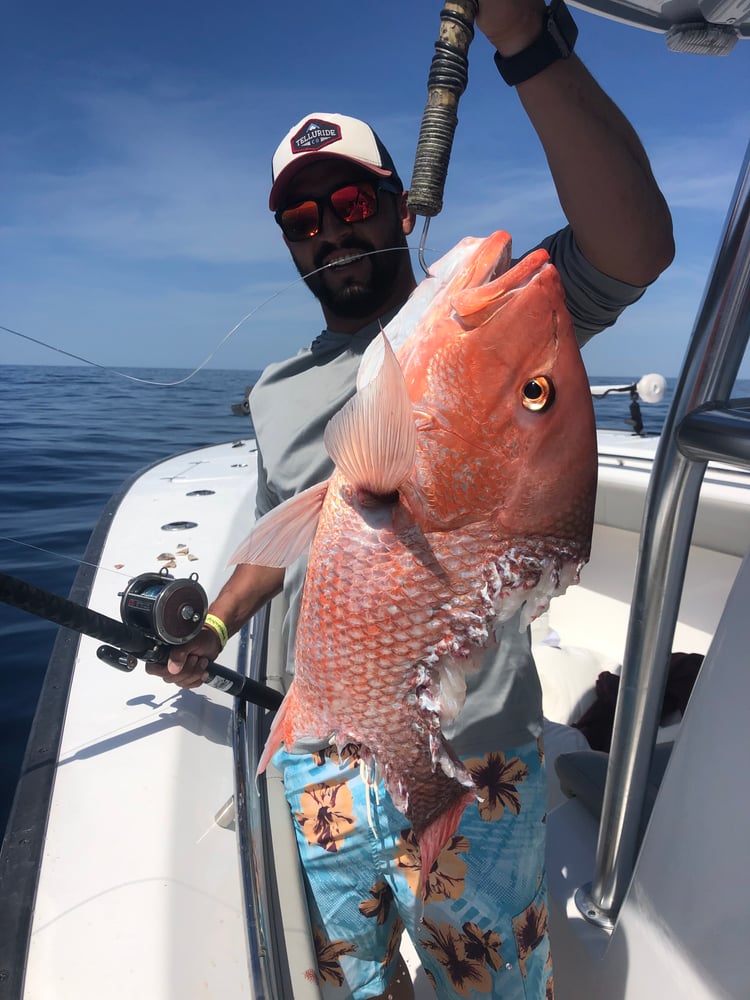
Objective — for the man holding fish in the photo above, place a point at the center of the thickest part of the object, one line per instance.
(451, 498)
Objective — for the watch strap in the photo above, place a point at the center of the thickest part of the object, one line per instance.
(556, 41)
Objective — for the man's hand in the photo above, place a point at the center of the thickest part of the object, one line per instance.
(511, 25)
(187, 664)
(247, 589)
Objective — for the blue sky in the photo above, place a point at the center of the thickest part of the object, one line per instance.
(136, 143)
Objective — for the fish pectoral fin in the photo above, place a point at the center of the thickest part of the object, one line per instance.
(285, 533)
(373, 438)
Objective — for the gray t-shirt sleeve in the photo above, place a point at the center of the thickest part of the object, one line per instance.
(594, 299)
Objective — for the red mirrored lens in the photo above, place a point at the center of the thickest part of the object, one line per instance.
(355, 202)
(352, 203)
(301, 221)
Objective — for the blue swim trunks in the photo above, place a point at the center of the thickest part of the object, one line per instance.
(482, 929)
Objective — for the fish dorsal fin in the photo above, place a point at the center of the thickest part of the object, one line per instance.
(285, 533)
(373, 438)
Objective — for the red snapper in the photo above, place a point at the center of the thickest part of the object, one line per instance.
(463, 490)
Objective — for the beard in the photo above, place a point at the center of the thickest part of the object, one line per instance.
(360, 297)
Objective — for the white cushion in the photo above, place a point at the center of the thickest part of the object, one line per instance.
(568, 675)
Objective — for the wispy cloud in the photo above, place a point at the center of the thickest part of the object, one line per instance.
(161, 178)
(699, 171)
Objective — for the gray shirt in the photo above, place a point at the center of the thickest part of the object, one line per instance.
(290, 407)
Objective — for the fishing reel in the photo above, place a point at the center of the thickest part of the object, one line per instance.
(164, 611)
(168, 610)
(159, 612)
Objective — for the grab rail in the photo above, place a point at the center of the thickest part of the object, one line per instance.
(699, 420)
(250, 842)
(266, 954)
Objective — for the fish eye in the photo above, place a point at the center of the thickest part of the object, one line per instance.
(538, 393)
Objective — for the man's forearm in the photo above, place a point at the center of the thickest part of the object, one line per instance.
(601, 171)
(248, 589)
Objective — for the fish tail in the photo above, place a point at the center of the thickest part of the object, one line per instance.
(434, 837)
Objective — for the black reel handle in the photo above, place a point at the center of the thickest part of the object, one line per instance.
(449, 74)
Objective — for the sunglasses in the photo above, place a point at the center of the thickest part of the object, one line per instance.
(350, 203)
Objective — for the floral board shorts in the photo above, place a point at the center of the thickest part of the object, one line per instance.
(481, 930)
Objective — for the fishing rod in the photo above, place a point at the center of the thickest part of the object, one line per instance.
(158, 612)
(448, 76)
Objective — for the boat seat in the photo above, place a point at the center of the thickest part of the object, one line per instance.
(583, 773)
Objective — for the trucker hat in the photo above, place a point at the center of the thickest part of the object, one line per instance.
(324, 135)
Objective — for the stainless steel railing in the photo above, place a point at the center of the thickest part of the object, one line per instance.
(701, 425)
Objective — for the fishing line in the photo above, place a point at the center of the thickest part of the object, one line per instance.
(61, 555)
(58, 350)
(192, 374)
(277, 294)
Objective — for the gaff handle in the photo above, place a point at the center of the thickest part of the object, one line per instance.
(449, 74)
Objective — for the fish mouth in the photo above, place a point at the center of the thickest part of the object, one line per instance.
(500, 268)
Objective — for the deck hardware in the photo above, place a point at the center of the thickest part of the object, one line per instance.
(225, 816)
(590, 911)
(701, 405)
(179, 525)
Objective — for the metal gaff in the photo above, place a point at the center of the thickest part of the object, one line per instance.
(449, 73)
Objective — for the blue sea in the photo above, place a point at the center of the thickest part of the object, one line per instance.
(71, 437)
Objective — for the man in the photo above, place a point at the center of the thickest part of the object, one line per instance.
(336, 195)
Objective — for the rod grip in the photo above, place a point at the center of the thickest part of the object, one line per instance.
(449, 74)
(243, 687)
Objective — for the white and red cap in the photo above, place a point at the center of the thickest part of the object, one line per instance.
(318, 136)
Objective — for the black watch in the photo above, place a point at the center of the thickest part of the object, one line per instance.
(555, 42)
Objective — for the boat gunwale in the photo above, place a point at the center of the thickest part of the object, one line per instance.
(26, 830)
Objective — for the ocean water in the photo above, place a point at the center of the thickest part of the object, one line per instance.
(70, 437)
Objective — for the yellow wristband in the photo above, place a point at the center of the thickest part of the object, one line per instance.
(217, 625)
